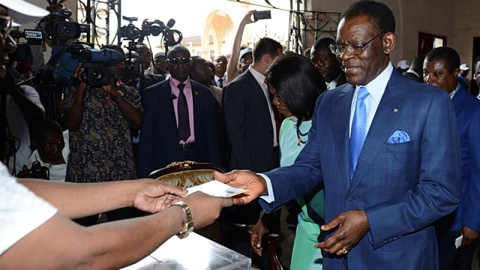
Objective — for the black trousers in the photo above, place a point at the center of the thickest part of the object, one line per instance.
(452, 258)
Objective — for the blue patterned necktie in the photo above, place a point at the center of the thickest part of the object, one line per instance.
(183, 120)
(359, 129)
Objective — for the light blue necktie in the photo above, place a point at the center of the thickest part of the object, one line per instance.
(359, 129)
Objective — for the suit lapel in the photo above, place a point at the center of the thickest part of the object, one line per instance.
(388, 111)
(341, 113)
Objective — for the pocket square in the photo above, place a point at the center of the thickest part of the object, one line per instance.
(399, 136)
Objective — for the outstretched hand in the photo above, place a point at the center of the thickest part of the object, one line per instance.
(154, 196)
(253, 183)
(205, 208)
(352, 226)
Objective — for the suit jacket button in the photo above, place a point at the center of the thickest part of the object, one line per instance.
(349, 198)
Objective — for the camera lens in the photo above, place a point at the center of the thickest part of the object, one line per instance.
(97, 75)
(156, 28)
(67, 30)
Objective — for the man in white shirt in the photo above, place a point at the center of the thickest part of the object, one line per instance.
(52, 149)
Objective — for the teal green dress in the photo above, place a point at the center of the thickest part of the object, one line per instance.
(304, 255)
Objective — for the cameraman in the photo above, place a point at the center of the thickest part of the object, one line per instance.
(22, 108)
(99, 121)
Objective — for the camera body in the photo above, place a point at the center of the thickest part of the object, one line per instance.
(59, 28)
(96, 64)
(33, 37)
(36, 171)
(131, 32)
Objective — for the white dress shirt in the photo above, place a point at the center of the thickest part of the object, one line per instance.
(260, 78)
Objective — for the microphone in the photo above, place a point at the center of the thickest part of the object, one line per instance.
(171, 23)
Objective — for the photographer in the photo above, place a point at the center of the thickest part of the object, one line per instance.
(52, 149)
(99, 120)
(22, 108)
(37, 232)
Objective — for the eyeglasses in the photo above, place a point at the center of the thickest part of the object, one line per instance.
(339, 49)
(5, 24)
(244, 62)
(176, 60)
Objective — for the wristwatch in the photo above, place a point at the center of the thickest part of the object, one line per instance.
(188, 222)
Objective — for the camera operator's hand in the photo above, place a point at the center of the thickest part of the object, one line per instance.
(132, 113)
(74, 115)
(77, 75)
(110, 89)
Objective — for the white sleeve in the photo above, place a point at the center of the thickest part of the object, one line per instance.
(21, 211)
(270, 197)
(32, 95)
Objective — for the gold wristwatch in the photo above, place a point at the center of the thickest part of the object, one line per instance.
(188, 222)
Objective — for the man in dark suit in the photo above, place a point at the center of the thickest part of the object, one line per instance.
(252, 132)
(387, 150)
(326, 62)
(441, 69)
(415, 72)
(180, 119)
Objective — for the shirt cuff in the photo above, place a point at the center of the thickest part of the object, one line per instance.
(270, 198)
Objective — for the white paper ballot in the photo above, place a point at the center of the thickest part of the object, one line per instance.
(458, 241)
(217, 189)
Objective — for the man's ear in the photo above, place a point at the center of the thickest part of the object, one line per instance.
(389, 40)
(266, 59)
(456, 72)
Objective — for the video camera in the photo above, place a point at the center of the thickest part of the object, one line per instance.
(96, 64)
(33, 37)
(129, 31)
(59, 28)
(36, 171)
(154, 28)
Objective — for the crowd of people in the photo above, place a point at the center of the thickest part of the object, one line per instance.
(380, 166)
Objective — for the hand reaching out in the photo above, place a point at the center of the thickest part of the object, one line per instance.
(253, 183)
(154, 196)
(205, 208)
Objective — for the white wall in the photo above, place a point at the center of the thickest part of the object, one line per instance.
(458, 20)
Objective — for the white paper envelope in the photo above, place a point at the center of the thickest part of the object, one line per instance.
(217, 189)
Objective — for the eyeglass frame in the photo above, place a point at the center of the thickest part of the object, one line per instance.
(334, 47)
(244, 62)
(8, 25)
(178, 60)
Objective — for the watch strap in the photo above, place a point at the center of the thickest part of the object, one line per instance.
(188, 219)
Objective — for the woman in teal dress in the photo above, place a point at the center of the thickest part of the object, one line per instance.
(295, 84)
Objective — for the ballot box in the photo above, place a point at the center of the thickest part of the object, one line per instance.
(192, 253)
